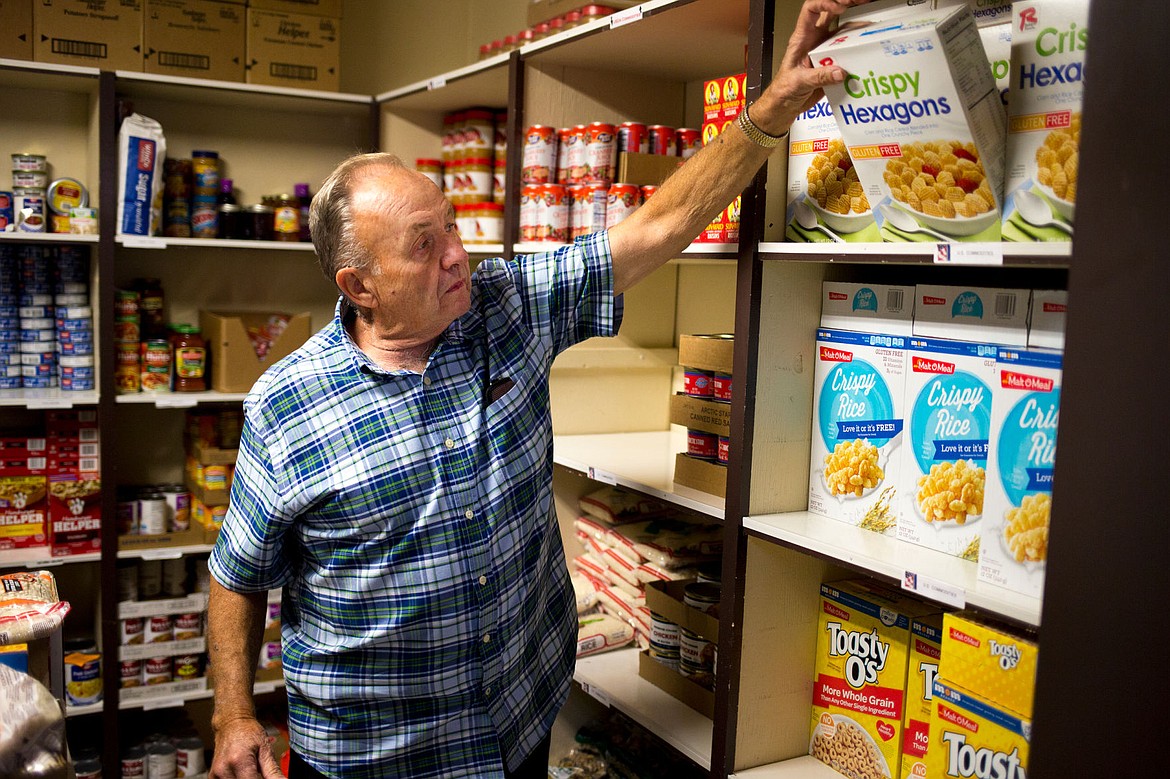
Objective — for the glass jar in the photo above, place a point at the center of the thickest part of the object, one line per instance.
(189, 360)
(230, 223)
(150, 309)
(259, 224)
(286, 221)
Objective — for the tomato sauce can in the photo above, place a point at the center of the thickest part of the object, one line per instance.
(188, 626)
(697, 383)
(662, 140)
(621, 200)
(687, 141)
(134, 763)
(586, 205)
(189, 757)
(553, 214)
(704, 446)
(540, 155)
(156, 366)
(160, 628)
(133, 630)
(632, 138)
(600, 153)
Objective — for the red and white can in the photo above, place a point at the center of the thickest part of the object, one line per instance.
(576, 156)
(159, 628)
(648, 190)
(564, 141)
(189, 757)
(157, 670)
(133, 630)
(704, 446)
(687, 141)
(187, 667)
(724, 449)
(600, 153)
(499, 181)
(633, 138)
(586, 204)
(188, 625)
(620, 201)
(697, 383)
(721, 386)
(552, 214)
(662, 140)
(529, 198)
(539, 160)
(131, 673)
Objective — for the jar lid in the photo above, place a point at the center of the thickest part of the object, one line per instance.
(229, 208)
(185, 329)
(205, 154)
(260, 208)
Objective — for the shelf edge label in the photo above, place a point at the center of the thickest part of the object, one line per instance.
(602, 476)
(628, 16)
(935, 589)
(143, 242)
(38, 404)
(597, 693)
(436, 83)
(968, 254)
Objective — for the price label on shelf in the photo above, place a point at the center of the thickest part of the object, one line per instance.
(165, 703)
(143, 242)
(934, 589)
(596, 692)
(628, 16)
(602, 476)
(436, 83)
(175, 401)
(968, 254)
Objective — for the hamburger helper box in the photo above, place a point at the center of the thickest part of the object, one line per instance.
(1018, 502)
(857, 403)
(923, 123)
(1049, 38)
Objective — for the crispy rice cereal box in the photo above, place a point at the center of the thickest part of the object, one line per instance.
(1018, 502)
(923, 124)
(860, 684)
(925, 650)
(944, 463)
(1049, 39)
(1046, 319)
(991, 315)
(975, 738)
(857, 403)
(983, 659)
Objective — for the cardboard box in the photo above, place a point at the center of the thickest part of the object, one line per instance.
(311, 7)
(211, 455)
(192, 536)
(1046, 321)
(666, 600)
(293, 50)
(16, 35)
(694, 413)
(75, 514)
(645, 169)
(23, 510)
(981, 657)
(104, 34)
(701, 475)
(208, 497)
(196, 38)
(707, 351)
(981, 314)
(922, 670)
(234, 364)
(867, 308)
(543, 10)
(671, 681)
(970, 730)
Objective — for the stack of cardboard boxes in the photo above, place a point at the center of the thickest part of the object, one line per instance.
(705, 411)
(290, 43)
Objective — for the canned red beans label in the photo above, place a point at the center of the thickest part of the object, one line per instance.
(721, 386)
(705, 446)
(697, 383)
(724, 452)
(133, 630)
(188, 626)
(160, 628)
(540, 155)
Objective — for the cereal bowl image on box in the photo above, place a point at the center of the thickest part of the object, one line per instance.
(842, 744)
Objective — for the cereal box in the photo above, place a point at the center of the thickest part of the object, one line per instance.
(23, 500)
(860, 684)
(867, 308)
(925, 650)
(997, 42)
(981, 658)
(923, 123)
(1049, 38)
(1021, 458)
(972, 737)
(998, 316)
(1046, 319)
(826, 202)
(948, 424)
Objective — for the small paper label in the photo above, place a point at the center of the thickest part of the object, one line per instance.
(934, 589)
(602, 476)
(436, 83)
(175, 401)
(596, 692)
(143, 242)
(43, 403)
(968, 254)
(627, 16)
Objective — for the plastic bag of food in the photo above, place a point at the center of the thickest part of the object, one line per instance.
(29, 608)
(615, 506)
(667, 542)
(600, 633)
(142, 147)
(585, 591)
(32, 730)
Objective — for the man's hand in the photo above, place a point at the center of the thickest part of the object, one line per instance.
(242, 752)
(796, 87)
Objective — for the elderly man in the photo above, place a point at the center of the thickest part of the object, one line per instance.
(395, 472)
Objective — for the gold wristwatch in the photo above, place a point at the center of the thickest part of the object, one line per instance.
(755, 134)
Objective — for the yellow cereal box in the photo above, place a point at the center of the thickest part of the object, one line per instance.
(973, 738)
(925, 649)
(860, 685)
(991, 663)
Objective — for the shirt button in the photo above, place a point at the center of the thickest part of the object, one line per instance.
(487, 638)
(483, 580)
(427, 381)
(469, 514)
(487, 691)
(449, 444)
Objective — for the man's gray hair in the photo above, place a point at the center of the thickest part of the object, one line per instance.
(331, 215)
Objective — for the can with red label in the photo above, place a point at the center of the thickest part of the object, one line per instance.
(131, 673)
(157, 670)
(600, 153)
(160, 627)
(704, 446)
(586, 204)
(552, 214)
(662, 140)
(697, 383)
(134, 762)
(564, 141)
(724, 449)
(529, 198)
(648, 190)
(189, 625)
(620, 201)
(721, 386)
(539, 160)
(688, 141)
(133, 630)
(632, 138)
(575, 157)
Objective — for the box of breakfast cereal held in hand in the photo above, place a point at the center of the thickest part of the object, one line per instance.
(923, 123)
(1049, 39)
(859, 691)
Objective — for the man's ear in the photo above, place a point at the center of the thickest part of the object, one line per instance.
(352, 283)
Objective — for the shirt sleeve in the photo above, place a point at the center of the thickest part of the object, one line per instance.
(250, 554)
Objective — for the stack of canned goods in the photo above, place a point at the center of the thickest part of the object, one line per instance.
(153, 509)
(472, 172)
(37, 205)
(709, 385)
(161, 755)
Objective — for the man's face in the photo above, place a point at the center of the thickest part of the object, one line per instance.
(421, 275)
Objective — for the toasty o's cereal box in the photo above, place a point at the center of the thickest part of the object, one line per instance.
(923, 123)
(974, 738)
(925, 650)
(1049, 39)
(860, 684)
(995, 664)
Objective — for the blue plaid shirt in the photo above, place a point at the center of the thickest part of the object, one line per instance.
(428, 621)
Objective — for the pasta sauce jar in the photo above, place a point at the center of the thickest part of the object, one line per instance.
(189, 359)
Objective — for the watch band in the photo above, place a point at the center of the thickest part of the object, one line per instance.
(755, 134)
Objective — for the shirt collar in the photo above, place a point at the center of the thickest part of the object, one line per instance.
(455, 333)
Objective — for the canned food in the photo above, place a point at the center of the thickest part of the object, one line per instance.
(687, 141)
(432, 169)
(697, 383)
(159, 629)
(133, 631)
(174, 578)
(229, 222)
(160, 760)
(552, 214)
(663, 632)
(586, 203)
(127, 368)
(477, 179)
(87, 769)
(29, 210)
(633, 138)
(647, 190)
(131, 673)
(134, 763)
(39, 382)
(178, 507)
(6, 211)
(486, 223)
(29, 179)
(189, 757)
(83, 677)
(157, 670)
(204, 217)
(149, 579)
(621, 200)
(65, 194)
(662, 140)
(564, 143)
(188, 626)
(577, 155)
(127, 580)
(529, 196)
(205, 174)
(702, 445)
(540, 155)
(696, 656)
(724, 451)
(30, 163)
(499, 181)
(600, 154)
(156, 368)
(126, 515)
(721, 386)
(152, 519)
(187, 667)
(702, 596)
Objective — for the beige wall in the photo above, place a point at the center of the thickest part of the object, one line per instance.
(397, 42)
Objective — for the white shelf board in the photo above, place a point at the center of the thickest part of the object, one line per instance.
(180, 399)
(886, 556)
(485, 249)
(612, 678)
(54, 238)
(166, 699)
(43, 75)
(803, 767)
(639, 461)
(40, 557)
(535, 247)
(164, 552)
(161, 242)
(670, 39)
(695, 250)
(47, 398)
(1010, 250)
(731, 249)
(81, 711)
(232, 92)
(480, 83)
